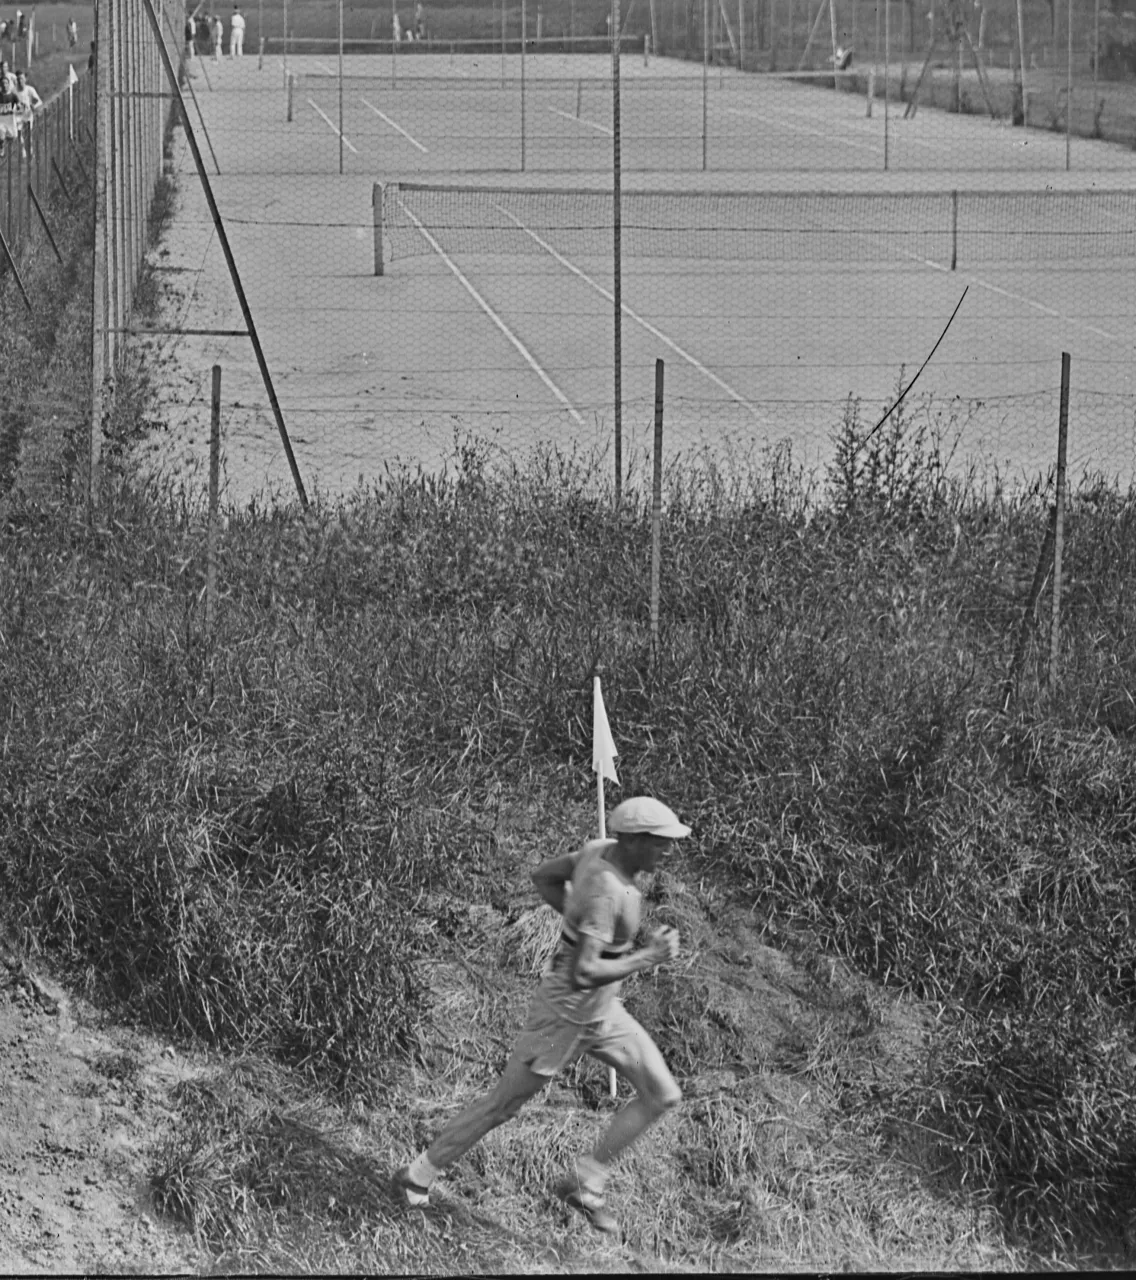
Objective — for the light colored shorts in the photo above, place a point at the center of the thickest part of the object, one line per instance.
(548, 1043)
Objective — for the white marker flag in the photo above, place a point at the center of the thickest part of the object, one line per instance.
(603, 745)
(72, 78)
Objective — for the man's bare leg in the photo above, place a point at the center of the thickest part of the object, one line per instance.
(656, 1094)
(516, 1085)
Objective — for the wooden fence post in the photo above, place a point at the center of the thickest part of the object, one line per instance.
(657, 513)
(1059, 521)
(214, 488)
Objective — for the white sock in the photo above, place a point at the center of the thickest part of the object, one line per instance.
(422, 1172)
(590, 1174)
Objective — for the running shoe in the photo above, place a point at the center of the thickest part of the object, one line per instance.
(589, 1203)
(409, 1194)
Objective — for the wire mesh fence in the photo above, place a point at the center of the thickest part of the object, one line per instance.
(45, 198)
(428, 246)
(40, 160)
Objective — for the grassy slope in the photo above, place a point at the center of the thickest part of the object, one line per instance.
(273, 840)
(765, 1167)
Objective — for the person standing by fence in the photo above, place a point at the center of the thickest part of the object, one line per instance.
(9, 107)
(237, 33)
(30, 105)
(218, 37)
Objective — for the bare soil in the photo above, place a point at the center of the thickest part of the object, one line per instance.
(82, 1103)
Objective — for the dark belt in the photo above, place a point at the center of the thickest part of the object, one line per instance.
(604, 955)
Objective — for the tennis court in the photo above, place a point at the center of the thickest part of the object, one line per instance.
(494, 312)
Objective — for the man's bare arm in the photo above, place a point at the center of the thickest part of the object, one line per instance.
(551, 877)
(592, 970)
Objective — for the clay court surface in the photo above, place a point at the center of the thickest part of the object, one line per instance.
(764, 337)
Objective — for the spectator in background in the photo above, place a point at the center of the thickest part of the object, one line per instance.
(72, 33)
(419, 21)
(396, 27)
(237, 33)
(93, 58)
(21, 24)
(218, 37)
(30, 105)
(4, 29)
(9, 107)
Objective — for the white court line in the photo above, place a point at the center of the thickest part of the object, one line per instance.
(332, 127)
(600, 128)
(397, 128)
(782, 123)
(693, 361)
(1013, 297)
(509, 334)
(325, 68)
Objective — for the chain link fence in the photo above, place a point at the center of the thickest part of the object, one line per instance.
(46, 172)
(392, 248)
(427, 242)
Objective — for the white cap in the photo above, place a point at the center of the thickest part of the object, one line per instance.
(641, 814)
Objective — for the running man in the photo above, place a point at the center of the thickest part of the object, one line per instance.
(577, 1010)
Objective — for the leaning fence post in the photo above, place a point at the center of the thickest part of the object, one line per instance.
(15, 271)
(43, 218)
(1059, 520)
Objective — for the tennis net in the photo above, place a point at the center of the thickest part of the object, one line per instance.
(947, 228)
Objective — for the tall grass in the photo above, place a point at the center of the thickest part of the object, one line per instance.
(254, 840)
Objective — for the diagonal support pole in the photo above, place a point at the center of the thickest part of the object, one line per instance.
(60, 179)
(15, 271)
(43, 219)
(230, 261)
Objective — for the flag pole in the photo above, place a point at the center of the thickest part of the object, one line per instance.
(603, 757)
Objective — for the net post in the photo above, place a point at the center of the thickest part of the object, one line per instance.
(646, 48)
(260, 56)
(871, 91)
(954, 228)
(291, 85)
(1069, 87)
(705, 70)
(378, 194)
(524, 41)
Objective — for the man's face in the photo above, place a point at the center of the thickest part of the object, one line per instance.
(651, 850)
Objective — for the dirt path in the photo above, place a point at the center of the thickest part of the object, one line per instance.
(81, 1106)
